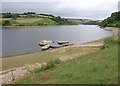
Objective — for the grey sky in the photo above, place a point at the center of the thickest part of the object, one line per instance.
(87, 9)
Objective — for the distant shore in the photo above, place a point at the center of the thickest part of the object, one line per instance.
(33, 26)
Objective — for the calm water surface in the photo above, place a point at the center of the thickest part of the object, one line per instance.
(25, 40)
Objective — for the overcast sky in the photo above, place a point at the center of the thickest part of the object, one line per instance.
(83, 9)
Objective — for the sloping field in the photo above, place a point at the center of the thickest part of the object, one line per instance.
(100, 67)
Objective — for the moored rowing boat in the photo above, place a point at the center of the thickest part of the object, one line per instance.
(45, 47)
(45, 42)
(63, 42)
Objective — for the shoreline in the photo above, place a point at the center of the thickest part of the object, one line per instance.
(99, 41)
(32, 26)
(39, 26)
(114, 30)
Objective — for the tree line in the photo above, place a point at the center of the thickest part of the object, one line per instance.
(112, 21)
(62, 21)
(28, 14)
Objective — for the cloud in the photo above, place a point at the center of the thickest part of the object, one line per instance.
(89, 9)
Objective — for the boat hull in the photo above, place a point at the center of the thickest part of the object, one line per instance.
(45, 47)
(63, 42)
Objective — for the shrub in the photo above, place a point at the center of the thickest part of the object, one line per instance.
(103, 47)
(109, 42)
(49, 65)
(112, 21)
(6, 23)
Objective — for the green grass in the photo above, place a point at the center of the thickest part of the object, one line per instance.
(45, 56)
(100, 67)
(44, 21)
(29, 21)
(76, 21)
(49, 65)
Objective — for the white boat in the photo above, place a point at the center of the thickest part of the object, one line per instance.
(42, 43)
(45, 42)
(45, 47)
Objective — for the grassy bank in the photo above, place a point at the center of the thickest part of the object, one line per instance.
(99, 67)
(41, 57)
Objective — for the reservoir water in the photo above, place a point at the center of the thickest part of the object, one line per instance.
(25, 39)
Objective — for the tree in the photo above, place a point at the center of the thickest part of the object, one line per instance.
(6, 15)
(25, 13)
(112, 21)
(6, 23)
(14, 16)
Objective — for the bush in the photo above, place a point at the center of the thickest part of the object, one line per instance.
(109, 42)
(104, 46)
(112, 21)
(49, 65)
(6, 23)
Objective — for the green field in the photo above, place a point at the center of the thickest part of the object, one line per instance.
(43, 21)
(76, 21)
(30, 21)
(22, 60)
(99, 67)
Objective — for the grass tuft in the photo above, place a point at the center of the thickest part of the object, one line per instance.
(49, 65)
(109, 42)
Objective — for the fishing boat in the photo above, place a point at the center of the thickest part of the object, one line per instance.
(45, 47)
(63, 42)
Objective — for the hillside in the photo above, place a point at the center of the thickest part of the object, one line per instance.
(85, 21)
(112, 21)
(32, 19)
